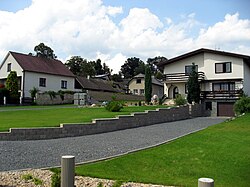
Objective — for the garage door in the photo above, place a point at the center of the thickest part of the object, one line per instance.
(225, 109)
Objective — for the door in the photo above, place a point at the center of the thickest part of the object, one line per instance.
(175, 92)
(225, 109)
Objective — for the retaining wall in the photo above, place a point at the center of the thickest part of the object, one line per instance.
(45, 99)
(150, 117)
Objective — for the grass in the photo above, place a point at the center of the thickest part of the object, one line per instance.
(53, 116)
(221, 152)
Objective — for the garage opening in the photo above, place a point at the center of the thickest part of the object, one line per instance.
(225, 109)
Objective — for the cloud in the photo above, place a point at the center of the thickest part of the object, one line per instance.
(87, 28)
(230, 31)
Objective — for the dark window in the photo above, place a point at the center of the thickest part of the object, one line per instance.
(224, 67)
(138, 81)
(141, 91)
(42, 82)
(9, 67)
(188, 69)
(225, 86)
(208, 105)
(64, 84)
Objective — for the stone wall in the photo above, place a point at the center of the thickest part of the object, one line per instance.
(46, 99)
(150, 117)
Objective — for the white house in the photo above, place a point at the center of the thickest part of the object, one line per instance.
(40, 72)
(222, 75)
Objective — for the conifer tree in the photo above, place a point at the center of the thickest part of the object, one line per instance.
(193, 86)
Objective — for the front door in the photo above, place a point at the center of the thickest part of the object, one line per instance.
(175, 92)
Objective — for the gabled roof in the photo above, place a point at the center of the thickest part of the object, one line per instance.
(154, 80)
(41, 65)
(203, 50)
(97, 84)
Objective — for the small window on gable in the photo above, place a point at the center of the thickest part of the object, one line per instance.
(8, 67)
(224, 67)
(138, 81)
(42, 82)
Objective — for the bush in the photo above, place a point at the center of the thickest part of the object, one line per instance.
(114, 106)
(56, 179)
(180, 100)
(242, 105)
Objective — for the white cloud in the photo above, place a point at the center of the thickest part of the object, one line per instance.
(86, 28)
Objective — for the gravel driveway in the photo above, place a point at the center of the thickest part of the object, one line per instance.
(16, 155)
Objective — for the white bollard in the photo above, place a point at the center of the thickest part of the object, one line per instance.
(4, 100)
(68, 171)
(205, 182)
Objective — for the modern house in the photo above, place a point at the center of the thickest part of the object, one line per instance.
(137, 85)
(223, 77)
(43, 73)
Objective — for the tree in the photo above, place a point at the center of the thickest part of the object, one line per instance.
(74, 64)
(148, 84)
(132, 67)
(116, 77)
(44, 51)
(155, 64)
(193, 86)
(12, 84)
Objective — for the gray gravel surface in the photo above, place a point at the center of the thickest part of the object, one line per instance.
(15, 155)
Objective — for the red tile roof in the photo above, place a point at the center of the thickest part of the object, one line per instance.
(41, 65)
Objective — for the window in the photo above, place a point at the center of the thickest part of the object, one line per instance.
(138, 81)
(226, 86)
(186, 88)
(224, 67)
(135, 91)
(8, 67)
(42, 82)
(141, 91)
(64, 84)
(188, 69)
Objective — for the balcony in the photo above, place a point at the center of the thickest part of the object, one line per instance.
(232, 94)
(180, 77)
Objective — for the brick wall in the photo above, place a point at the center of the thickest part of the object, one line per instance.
(45, 99)
(102, 125)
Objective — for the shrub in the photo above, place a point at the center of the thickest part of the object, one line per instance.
(56, 179)
(52, 94)
(114, 106)
(242, 105)
(33, 92)
(180, 100)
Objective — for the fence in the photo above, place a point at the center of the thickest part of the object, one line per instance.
(139, 119)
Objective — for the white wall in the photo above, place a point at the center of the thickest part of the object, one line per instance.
(209, 67)
(14, 67)
(246, 83)
(53, 82)
(179, 66)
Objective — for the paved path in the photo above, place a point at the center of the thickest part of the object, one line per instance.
(16, 155)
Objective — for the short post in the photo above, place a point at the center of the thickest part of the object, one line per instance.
(68, 171)
(20, 100)
(205, 182)
(4, 100)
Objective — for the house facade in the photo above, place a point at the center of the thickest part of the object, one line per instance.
(137, 86)
(40, 72)
(223, 76)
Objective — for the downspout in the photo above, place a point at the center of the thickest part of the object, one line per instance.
(23, 81)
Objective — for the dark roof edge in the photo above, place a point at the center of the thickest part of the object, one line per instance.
(204, 50)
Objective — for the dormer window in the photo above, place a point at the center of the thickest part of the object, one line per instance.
(9, 67)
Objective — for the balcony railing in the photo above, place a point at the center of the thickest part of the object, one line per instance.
(232, 94)
(180, 77)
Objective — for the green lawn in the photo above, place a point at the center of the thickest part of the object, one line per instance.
(52, 116)
(221, 152)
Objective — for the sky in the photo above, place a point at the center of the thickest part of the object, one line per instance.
(114, 30)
